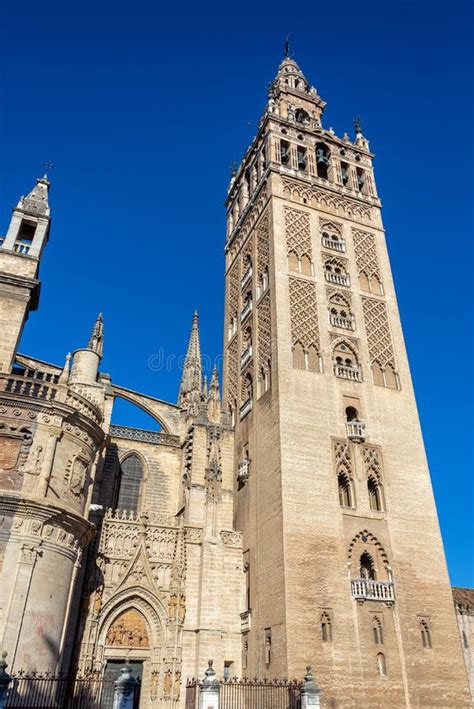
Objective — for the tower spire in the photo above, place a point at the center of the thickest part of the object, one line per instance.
(190, 389)
(96, 340)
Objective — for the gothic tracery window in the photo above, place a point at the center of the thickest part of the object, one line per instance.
(322, 160)
(130, 482)
(377, 629)
(367, 567)
(345, 490)
(425, 634)
(375, 494)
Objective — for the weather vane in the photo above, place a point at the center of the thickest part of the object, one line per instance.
(287, 45)
(48, 165)
(358, 124)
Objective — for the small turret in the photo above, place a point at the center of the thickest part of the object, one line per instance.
(29, 226)
(85, 363)
(214, 398)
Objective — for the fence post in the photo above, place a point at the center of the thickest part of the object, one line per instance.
(310, 691)
(5, 680)
(124, 689)
(209, 689)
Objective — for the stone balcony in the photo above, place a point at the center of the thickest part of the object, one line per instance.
(368, 590)
(335, 245)
(246, 408)
(243, 472)
(246, 277)
(345, 323)
(246, 356)
(22, 247)
(356, 431)
(353, 374)
(246, 311)
(340, 279)
(245, 621)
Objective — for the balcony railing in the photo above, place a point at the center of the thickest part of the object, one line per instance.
(339, 245)
(246, 356)
(246, 311)
(367, 590)
(246, 408)
(340, 279)
(21, 247)
(338, 321)
(356, 431)
(244, 472)
(245, 621)
(246, 277)
(345, 372)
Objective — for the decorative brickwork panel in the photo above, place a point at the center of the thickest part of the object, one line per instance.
(372, 462)
(366, 253)
(342, 458)
(298, 234)
(232, 372)
(233, 297)
(303, 313)
(263, 253)
(298, 191)
(264, 331)
(378, 332)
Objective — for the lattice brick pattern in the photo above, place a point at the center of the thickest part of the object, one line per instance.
(378, 332)
(366, 253)
(233, 298)
(264, 331)
(316, 197)
(298, 234)
(372, 462)
(263, 254)
(232, 373)
(304, 313)
(342, 457)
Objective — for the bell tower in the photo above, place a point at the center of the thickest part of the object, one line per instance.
(20, 253)
(343, 555)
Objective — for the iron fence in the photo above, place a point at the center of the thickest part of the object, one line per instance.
(250, 694)
(57, 691)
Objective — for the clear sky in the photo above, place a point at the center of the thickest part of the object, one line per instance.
(142, 106)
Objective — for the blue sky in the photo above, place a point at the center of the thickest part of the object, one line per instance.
(143, 106)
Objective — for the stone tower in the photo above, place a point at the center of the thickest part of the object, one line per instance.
(343, 556)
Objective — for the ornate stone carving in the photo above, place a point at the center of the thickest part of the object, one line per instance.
(263, 251)
(297, 191)
(232, 373)
(128, 630)
(77, 470)
(213, 474)
(15, 444)
(366, 253)
(264, 332)
(231, 538)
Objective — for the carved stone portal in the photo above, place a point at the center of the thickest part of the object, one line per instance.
(128, 630)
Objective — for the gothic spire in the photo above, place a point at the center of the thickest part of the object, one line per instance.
(191, 380)
(96, 340)
(214, 398)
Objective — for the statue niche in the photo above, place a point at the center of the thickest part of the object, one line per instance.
(129, 629)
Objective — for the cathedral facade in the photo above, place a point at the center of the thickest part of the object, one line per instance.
(290, 520)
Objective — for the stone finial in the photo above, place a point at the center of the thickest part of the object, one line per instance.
(210, 672)
(5, 680)
(64, 376)
(310, 691)
(190, 390)
(96, 340)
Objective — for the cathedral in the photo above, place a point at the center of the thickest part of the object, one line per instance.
(287, 519)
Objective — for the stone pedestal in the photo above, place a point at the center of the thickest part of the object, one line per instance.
(209, 691)
(310, 691)
(124, 689)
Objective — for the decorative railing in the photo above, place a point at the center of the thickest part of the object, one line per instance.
(246, 277)
(21, 247)
(36, 374)
(246, 356)
(368, 590)
(338, 321)
(333, 244)
(340, 279)
(249, 693)
(245, 621)
(141, 434)
(32, 388)
(246, 311)
(83, 405)
(346, 372)
(244, 472)
(356, 431)
(246, 408)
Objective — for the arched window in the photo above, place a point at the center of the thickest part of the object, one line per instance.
(352, 414)
(381, 664)
(391, 377)
(377, 374)
(313, 359)
(375, 494)
(301, 116)
(130, 482)
(322, 160)
(306, 265)
(293, 262)
(377, 630)
(345, 490)
(299, 359)
(425, 634)
(367, 568)
(326, 629)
